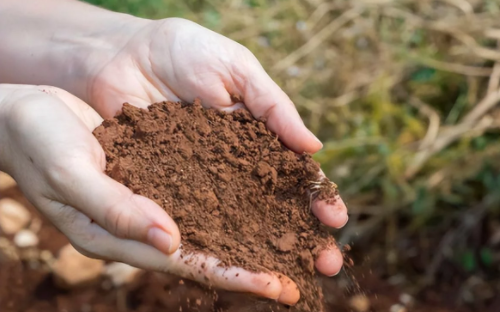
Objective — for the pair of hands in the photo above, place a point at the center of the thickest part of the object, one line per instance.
(46, 144)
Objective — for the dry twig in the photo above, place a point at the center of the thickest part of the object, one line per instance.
(317, 39)
(483, 107)
(434, 122)
(444, 27)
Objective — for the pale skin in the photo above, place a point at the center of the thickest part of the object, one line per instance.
(102, 59)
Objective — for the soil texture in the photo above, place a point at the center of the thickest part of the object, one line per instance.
(26, 285)
(236, 192)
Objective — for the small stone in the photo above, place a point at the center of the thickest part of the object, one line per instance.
(46, 255)
(6, 181)
(397, 308)
(25, 239)
(72, 269)
(406, 299)
(360, 303)
(13, 216)
(121, 273)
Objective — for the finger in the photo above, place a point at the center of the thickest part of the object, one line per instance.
(109, 203)
(264, 98)
(290, 293)
(82, 110)
(70, 165)
(331, 212)
(329, 261)
(119, 211)
(92, 240)
(207, 270)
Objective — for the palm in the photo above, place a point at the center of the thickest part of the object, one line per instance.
(175, 59)
(182, 66)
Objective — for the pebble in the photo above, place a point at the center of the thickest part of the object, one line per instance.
(25, 239)
(120, 273)
(6, 181)
(406, 299)
(360, 303)
(46, 256)
(13, 216)
(397, 308)
(72, 269)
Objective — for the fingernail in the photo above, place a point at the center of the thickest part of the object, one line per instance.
(346, 220)
(315, 138)
(161, 240)
(334, 274)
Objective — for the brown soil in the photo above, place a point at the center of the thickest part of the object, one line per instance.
(234, 189)
(26, 285)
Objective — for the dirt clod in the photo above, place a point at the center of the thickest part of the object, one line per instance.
(233, 188)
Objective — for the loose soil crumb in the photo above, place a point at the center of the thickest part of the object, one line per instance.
(234, 189)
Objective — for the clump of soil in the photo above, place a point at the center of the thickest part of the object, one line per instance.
(234, 189)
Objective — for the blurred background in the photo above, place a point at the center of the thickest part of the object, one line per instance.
(404, 95)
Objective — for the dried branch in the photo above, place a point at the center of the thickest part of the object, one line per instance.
(444, 27)
(434, 122)
(317, 39)
(463, 5)
(483, 107)
(461, 69)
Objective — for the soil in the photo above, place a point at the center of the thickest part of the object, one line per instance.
(26, 285)
(236, 192)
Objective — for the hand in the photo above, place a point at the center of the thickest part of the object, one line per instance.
(116, 59)
(48, 147)
(176, 59)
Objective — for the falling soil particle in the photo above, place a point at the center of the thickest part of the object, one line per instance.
(236, 192)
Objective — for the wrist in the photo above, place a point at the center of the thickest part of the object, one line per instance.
(87, 54)
(59, 43)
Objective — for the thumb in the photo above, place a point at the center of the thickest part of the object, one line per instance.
(120, 212)
(264, 98)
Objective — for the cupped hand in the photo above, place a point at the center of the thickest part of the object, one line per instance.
(175, 59)
(47, 146)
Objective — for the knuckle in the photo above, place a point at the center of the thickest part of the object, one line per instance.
(86, 241)
(93, 245)
(118, 221)
(77, 228)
